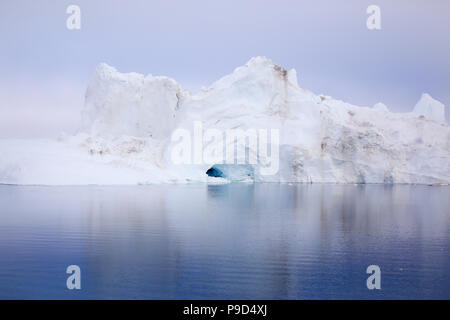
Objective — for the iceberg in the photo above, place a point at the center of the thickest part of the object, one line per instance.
(128, 122)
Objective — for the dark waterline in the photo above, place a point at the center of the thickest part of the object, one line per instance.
(236, 241)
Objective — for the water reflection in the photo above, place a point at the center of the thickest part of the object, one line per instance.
(238, 241)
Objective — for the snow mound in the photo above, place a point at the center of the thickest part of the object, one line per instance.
(380, 107)
(129, 122)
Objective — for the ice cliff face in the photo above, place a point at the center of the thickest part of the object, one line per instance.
(129, 119)
(130, 104)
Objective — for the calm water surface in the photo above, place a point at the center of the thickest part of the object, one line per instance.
(235, 241)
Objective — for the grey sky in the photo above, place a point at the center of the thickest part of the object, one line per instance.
(45, 67)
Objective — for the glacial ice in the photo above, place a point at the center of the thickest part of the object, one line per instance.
(430, 108)
(128, 120)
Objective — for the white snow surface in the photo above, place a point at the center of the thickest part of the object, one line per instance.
(128, 120)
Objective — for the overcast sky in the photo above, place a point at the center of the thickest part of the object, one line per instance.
(45, 67)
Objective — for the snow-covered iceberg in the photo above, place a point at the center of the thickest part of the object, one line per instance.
(129, 120)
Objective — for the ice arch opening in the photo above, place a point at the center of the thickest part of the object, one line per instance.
(214, 172)
(233, 172)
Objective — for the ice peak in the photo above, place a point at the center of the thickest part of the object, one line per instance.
(430, 108)
(104, 68)
(259, 60)
(264, 63)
